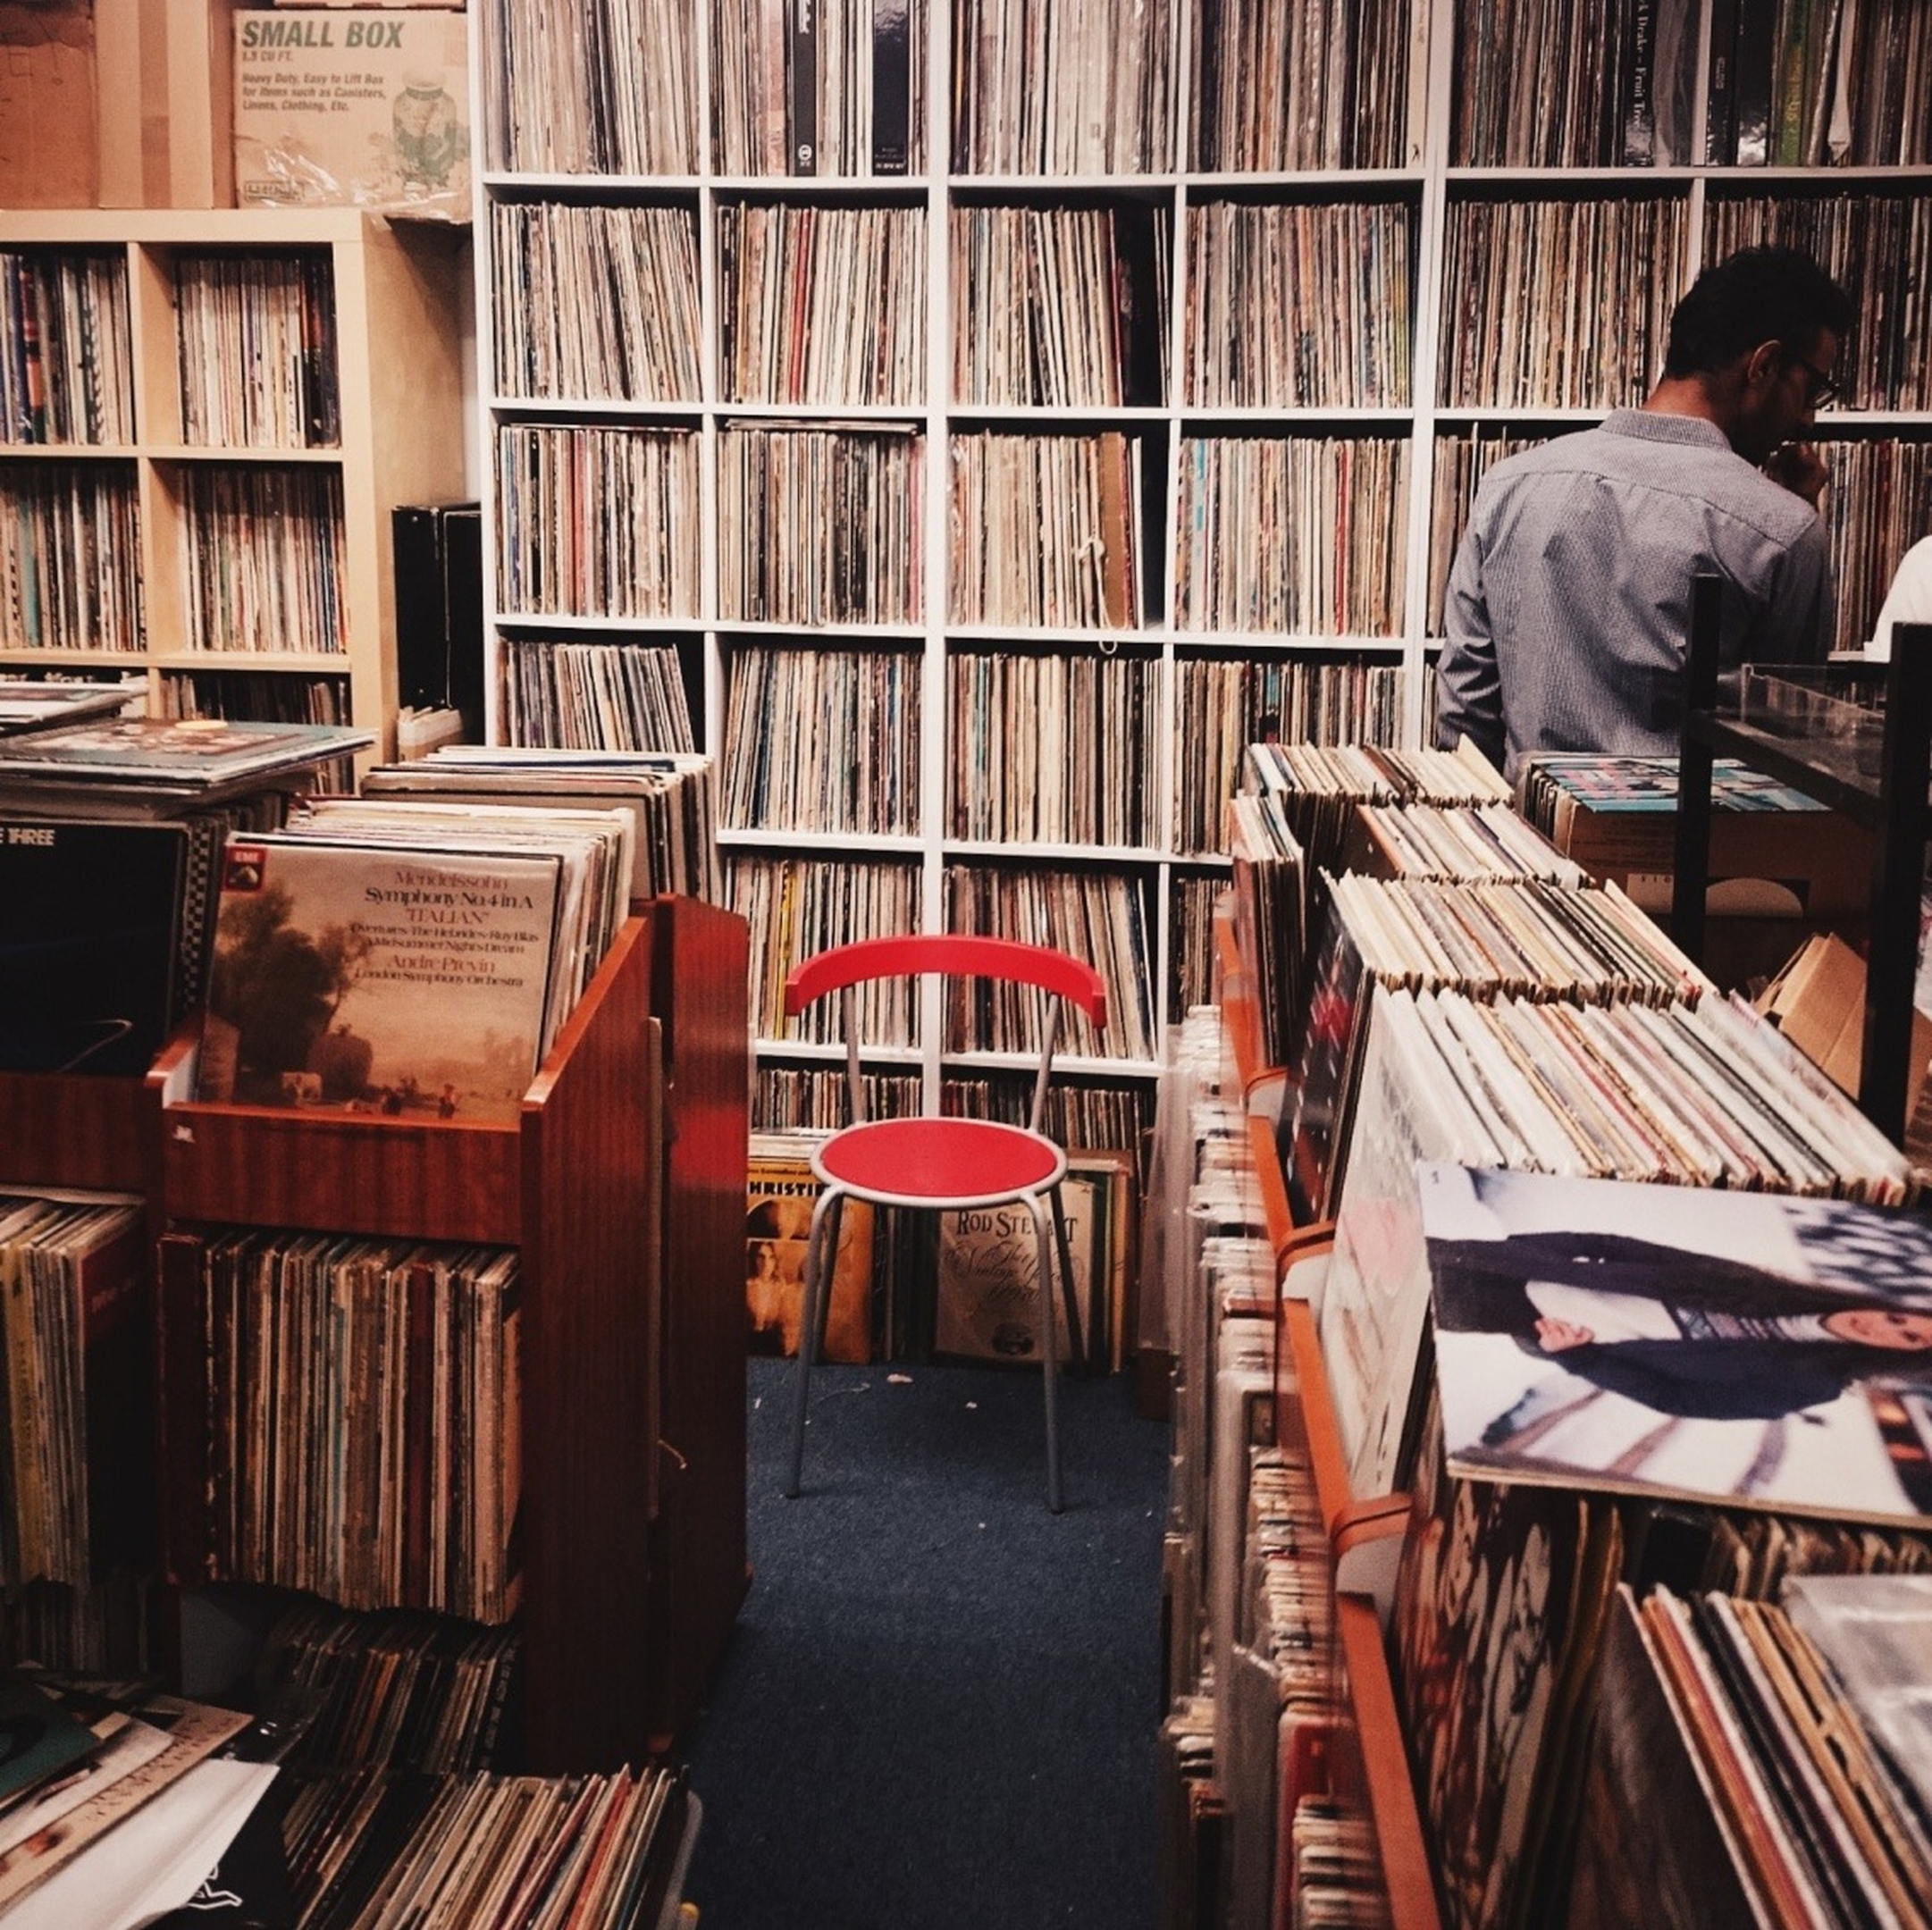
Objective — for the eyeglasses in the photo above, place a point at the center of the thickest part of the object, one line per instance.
(1825, 389)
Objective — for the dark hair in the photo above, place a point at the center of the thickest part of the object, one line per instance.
(1758, 295)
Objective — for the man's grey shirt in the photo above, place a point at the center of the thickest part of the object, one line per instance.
(1569, 603)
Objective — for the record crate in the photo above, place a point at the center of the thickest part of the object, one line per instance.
(622, 1614)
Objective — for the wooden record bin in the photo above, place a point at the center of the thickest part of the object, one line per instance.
(604, 1184)
(700, 960)
(67, 1130)
(1371, 1769)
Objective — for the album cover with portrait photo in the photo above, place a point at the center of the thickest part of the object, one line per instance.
(1748, 1348)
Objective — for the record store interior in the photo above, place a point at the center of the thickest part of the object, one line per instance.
(965, 962)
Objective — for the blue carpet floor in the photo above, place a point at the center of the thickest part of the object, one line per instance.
(939, 1707)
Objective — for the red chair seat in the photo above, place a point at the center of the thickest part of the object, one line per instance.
(935, 1161)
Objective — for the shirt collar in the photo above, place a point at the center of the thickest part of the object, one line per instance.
(1647, 425)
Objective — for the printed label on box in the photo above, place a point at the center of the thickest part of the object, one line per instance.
(352, 109)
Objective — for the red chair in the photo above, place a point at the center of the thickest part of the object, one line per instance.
(942, 1164)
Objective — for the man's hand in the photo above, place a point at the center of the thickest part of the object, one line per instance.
(1799, 466)
(1554, 1336)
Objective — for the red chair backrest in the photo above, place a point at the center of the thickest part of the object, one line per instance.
(956, 956)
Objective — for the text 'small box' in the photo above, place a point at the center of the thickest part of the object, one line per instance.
(362, 109)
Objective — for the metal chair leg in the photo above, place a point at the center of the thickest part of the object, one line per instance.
(1075, 1337)
(835, 1224)
(817, 1286)
(1049, 1350)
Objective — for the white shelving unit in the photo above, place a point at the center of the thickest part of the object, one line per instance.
(1423, 186)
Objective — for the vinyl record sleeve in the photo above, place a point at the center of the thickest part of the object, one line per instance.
(89, 944)
(403, 982)
(1713, 1346)
(988, 1294)
(780, 1197)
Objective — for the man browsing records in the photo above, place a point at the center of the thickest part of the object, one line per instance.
(1568, 606)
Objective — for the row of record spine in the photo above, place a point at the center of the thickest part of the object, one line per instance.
(1091, 89)
(841, 88)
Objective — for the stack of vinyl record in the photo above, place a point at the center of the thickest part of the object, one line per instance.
(1102, 917)
(1492, 938)
(1540, 941)
(1761, 1748)
(851, 765)
(381, 1851)
(1052, 749)
(596, 303)
(1084, 1114)
(1290, 536)
(1617, 816)
(566, 551)
(1279, 1695)
(74, 1334)
(1710, 1094)
(1205, 1243)
(389, 1690)
(1299, 817)
(782, 561)
(407, 956)
(1224, 706)
(1254, 1717)
(1271, 913)
(1449, 842)
(31, 704)
(1320, 786)
(111, 1810)
(789, 1099)
(594, 696)
(798, 907)
(1217, 1270)
(1577, 1678)
(416, 1507)
(1710, 1097)
(668, 794)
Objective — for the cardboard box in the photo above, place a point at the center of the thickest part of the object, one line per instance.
(1785, 856)
(353, 107)
(47, 152)
(1819, 1003)
(1815, 864)
(167, 137)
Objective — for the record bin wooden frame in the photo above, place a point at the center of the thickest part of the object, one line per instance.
(1304, 1413)
(632, 1368)
(67, 1130)
(698, 1573)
